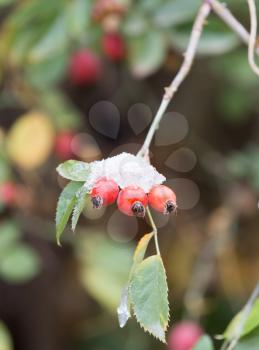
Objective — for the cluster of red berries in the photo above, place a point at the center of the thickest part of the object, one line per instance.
(132, 200)
(85, 66)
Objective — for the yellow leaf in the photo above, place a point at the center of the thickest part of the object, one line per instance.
(141, 248)
(30, 140)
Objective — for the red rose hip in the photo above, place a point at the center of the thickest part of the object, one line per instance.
(113, 46)
(184, 336)
(63, 143)
(132, 200)
(7, 193)
(162, 199)
(104, 192)
(85, 67)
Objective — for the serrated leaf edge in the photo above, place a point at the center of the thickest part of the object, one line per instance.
(134, 313)
(58, 232)
(82, 191)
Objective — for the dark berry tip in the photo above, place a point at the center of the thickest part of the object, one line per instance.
(170, 207)
(138, 209)
(97, 202)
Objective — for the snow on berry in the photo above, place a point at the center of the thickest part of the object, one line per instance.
(125, 169)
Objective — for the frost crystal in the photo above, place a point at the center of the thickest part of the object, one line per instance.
(126, 169)
(123, 310)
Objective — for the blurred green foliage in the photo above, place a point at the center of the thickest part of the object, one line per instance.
(18, 261)
(104, 268)
(250, 324)
(205, 343)
(244, 165)
(37, 40)
(238, 96)
(63, 26)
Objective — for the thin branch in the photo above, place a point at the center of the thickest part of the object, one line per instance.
(181, 75)
(154, 228)
(252, 38)
(244, 315)
(222, 11)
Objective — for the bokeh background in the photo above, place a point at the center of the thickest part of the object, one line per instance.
(50, 110)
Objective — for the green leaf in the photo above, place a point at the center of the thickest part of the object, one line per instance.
(23, 38)
(21, 43)
(148, 295)
(74, 170)
(65, 206)
(146, 53)
(123, 309)
(135, 24)
(205, 343)
(5, 338)
(249, 342)
(52, 43)
(149, 5)
(31, 11)
(210, 43)
(215, 39)
(79, 206)
(9, 234)
(172, 13)
(46, 73)
(251, 323)
(78, 14)
(19, 264)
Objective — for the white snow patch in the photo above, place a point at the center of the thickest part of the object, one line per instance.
(125, 169)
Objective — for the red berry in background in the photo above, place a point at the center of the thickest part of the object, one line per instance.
(184, 336)
(7, 193)
(113, 46)
(132, 200)
(63, 143)
(85, 67)
(162, 199)
(104, 192)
